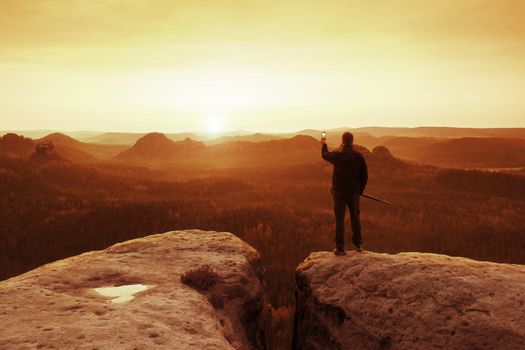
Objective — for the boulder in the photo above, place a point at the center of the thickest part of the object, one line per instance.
(408, 301)
(60, 305)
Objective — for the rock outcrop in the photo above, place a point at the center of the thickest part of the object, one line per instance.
(381, 152)
(57, 305)
(408, 301)
(45, 151)
(16, 146)
(157, 147)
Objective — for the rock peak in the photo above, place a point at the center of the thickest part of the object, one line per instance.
(408, 301)
(154, 138)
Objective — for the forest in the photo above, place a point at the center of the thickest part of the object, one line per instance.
(55, 209)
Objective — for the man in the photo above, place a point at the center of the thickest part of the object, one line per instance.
(349, 180)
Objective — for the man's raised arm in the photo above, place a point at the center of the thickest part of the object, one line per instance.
(326, 154)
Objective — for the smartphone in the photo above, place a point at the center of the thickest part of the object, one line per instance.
(323, 134)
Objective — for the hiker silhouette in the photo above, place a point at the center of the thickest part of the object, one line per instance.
(349, 178)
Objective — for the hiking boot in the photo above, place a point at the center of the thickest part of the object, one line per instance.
(358, 248)
(339, 251)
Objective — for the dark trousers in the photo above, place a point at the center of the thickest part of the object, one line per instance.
(341, 201)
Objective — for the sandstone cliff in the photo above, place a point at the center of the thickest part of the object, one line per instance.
(408, 301)
(57, 306)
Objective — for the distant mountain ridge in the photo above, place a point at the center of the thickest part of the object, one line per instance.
(466, 152)
(469, 152)
(18, 146)
(155, 148)
(369, 131)
(237, 150)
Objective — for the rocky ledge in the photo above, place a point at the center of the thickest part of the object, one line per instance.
(61, 306)
(408, 301)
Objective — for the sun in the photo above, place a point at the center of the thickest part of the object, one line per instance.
(215, 124)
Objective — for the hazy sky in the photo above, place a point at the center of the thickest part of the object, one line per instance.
(273, 65)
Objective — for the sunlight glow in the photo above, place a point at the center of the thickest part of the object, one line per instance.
(266, 65)
(207, 90)
(215, 124)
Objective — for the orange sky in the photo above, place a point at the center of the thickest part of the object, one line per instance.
(269, 65)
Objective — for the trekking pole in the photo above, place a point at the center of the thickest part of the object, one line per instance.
(376, 199)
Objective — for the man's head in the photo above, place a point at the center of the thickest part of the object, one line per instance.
(348, 138)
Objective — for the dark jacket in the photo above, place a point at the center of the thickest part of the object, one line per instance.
(350, 172)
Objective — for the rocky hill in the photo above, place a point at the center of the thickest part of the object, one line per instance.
(82, 152)
(16, 146)
(63, 305)
(465, 152)
(157, 147)
(298, 149)
(408, 301)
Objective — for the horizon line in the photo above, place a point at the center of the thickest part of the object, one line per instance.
(247, 132)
